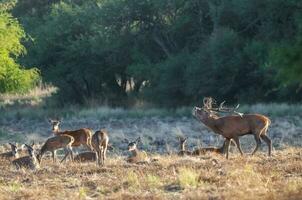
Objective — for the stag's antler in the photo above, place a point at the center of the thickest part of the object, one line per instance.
(208, 104)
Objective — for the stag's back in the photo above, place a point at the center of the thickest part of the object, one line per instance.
(244, 124)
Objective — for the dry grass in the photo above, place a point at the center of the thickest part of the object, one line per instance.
(171, 177)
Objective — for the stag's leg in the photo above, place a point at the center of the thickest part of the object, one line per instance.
(227, 146)
(258, 143)
(268, 142)
(236, 139)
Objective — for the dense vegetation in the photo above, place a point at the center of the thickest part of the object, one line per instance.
(13, 77)
(167, 52)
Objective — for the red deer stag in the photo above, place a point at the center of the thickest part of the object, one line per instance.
(81, 136)
(233, 126)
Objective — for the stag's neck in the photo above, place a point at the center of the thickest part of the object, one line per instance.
(212, 123)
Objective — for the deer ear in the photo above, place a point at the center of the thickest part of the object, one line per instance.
(125, 140)
(11, 144)
(138, 139)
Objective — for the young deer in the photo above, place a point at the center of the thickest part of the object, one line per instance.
(137, 156)
(14, 153)
(81, 136)
(183, 150)
(202, 151)
(57, 142)
(29, 161)
(87, 156)
(99, 142)
(234, 126)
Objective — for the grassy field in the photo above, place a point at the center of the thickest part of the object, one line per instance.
(171, 177)
(25, 119)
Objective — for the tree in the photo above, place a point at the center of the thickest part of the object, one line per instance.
(13, 77)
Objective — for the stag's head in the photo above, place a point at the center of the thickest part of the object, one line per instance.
(54, 124)
(206, 111)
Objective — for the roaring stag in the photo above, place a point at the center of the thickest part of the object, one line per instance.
(233, 126)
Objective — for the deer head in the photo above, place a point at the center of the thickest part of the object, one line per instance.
(55, 125)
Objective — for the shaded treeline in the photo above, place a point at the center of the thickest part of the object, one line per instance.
(166, 52)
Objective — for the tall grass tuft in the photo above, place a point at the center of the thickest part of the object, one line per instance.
(187, 177)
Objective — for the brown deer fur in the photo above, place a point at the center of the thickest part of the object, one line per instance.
(234, 126)
(99, 142)
(57, 142)
(81, 136)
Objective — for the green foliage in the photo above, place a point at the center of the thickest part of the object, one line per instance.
(13, 77)
(169, 53)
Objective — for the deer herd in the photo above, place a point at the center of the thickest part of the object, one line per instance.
(231, 127)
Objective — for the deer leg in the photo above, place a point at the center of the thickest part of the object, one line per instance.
(227, 146)
(53, 156)
(102, 156)
(268, 142)
(104, 153)
(71, 153)
(88, 144)
(258, 143)
(236, 139)
(66, 154)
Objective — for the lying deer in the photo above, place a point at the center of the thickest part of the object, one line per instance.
(202, 151)
(81, 136)
(183, 150)
(234, 126)
(136, 156)
(14, 153)
(87, 156)
(29, 161)
(57, 142)
(99, 142)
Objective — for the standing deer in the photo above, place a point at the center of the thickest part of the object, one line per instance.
(57, 142)
(14, 153)
(99, 142)
(81, 136)
(29, 161)
(183, 150)
(234, 126)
